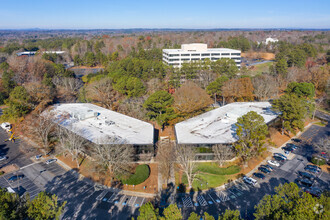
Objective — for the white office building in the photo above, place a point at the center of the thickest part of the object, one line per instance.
(196, 52)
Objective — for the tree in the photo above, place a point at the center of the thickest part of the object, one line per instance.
(12, 205)
(222, 153)
(190, 98)
(265, 87)
(290, 202)
(102, 91)
(148, 212)
(159, 107)
(89, 59)
(281, 67)
(225, 67)
(301, 90)
(292, 111)
(194, 216)
(323, 145)
(18, 103)
(215, 87)
(8, 82)
(207, 216)
(172, 212)
(130, 86)
(230, 215)
(238, 89)
(251, 131)
(45, 206)
(165, 157)
(71, 142)
(43, 128)
(186, 158)
(116, 158)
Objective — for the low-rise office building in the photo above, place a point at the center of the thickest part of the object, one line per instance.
(197, 52)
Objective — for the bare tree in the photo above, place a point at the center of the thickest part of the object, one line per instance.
(323, 145)
(71, 142)
(222, 152)
(103, 92)
(71, 85)
(185, 157)
(165, 157)
(115, 157)
(265, 87)
(43, 128)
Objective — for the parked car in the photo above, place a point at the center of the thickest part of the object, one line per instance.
(292, 146)
(264, 170)
(51, 161)
(289, 149)
(3, 158)
(267, 167)
(281, 159)
(273, 162)
(259, 175)
(280, 155)
(304, 182)
(312, 170)
(296, 140)
(314, 167)
(125, 202)
(250, 181)
(314, 191)
(307, 175)
(15, 178)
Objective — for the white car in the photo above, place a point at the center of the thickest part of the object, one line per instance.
(6, 126)
(273, 162)
(250, 180)
(3, 158)
(51, 161)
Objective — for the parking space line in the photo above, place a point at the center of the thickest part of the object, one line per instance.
(142, 202)
(187, 201)
(201, 200)
(100, 197)
(211, 198)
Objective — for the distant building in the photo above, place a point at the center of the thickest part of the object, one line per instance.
(32, 53)
(218, 126)
(196, 52)
(270, 40)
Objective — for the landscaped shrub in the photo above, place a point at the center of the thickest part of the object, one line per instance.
(317, 160)
(142, 173)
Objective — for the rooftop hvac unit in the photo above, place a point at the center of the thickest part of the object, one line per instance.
(108, 122)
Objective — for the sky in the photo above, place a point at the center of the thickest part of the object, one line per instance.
(205, 14)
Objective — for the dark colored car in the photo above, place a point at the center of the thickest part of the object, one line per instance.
(259, 175)
(287, 149)
(314, 167)
(281, 159)
(292, 146)
(305, 182)
(312, 170)
(267, 167)
(296, 140)
(280, 155)
(316, 192)
(264, 170)
(306, 175)
(15, 178)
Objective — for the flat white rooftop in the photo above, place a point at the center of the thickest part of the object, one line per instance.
(103, 126)
(218, 126)
(224, 50)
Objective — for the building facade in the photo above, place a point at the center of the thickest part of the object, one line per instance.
(197, 52)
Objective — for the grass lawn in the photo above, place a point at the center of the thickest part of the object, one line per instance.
(259, 69)
(142, 173)
(211, 175)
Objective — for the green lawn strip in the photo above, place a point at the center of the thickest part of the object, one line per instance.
(142, 173)
(213, 168)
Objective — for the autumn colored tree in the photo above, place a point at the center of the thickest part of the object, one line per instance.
(240, 89)
(190, 98)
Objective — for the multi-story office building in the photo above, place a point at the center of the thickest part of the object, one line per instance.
(195, 52)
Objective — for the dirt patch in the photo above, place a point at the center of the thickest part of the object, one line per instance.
(91, 170)
(259, 55)
(10, 168)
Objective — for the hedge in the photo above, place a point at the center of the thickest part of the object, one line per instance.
(142, 173)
